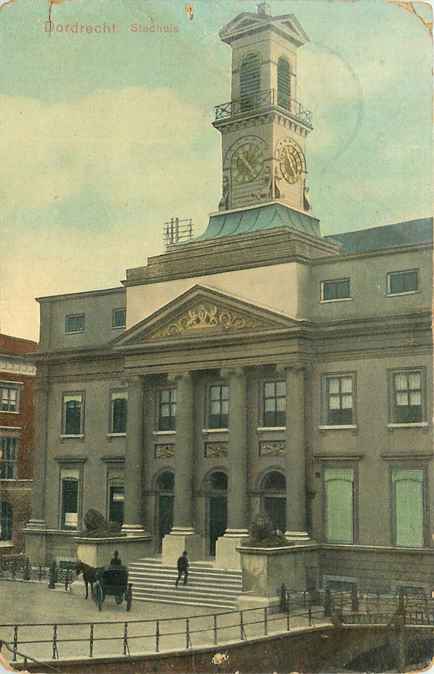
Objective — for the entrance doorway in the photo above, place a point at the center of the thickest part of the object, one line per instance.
(165, 505)
(217, 508)
(273, 489)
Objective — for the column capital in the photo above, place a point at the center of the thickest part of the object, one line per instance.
(134, 379)
(175, 377)
(295, 368)
(227, 372)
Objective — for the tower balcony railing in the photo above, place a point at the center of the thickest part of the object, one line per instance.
(260, 101)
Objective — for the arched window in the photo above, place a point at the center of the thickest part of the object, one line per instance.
(273, 488)
(250, 82)
(274, 481)
(166, 481)
(218, 481)
(5, 521)
(283, 83)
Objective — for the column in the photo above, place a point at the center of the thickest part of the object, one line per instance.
(183, 515)
(237, 527)
(183, 537)
(35, 530)
(295, 456)
(133, 512)
(40, 422)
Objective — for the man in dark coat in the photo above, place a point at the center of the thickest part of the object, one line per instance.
(182, 565)
(116, 560)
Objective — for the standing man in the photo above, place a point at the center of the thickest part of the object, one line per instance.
(182, 568)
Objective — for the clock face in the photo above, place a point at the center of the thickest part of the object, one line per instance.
(247, 162)
(292, 162)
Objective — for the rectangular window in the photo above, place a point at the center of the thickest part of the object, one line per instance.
(8, 458)
(218, 407)
(69, 481)
(116, 503)
(119, 411)
(74, 323)
(9, 398)
(339, 289)
(339, 505)
(407, 404)
(167, 410)
(408, 506)
(6, 518)
(274, 395)
(119, 318)
(73, 413)
(339, 400)
(401, 282)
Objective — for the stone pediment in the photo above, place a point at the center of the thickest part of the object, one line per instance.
(248, 21)
(201, 313)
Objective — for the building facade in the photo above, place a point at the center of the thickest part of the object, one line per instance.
(261, 367)
(16, 440)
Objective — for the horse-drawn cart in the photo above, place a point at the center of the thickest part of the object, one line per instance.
(113, 581)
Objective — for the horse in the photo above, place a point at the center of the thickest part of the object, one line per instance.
(89, 575)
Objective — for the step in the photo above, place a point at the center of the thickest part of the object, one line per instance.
(183, 602)
(182, 596)
(201, 566)
(146, 575)
(170, 571)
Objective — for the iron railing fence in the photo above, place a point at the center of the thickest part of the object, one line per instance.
(355, 601)
(54, 641)
(261, 100)
(19, 567)
(26, 659)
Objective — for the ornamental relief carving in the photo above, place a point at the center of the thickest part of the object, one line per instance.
(216, 450)
(206, 316)
(272, 448)
(164, 451)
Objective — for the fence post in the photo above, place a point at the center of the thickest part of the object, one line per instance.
(27, 570)
(265, 620)
(354, 599)
(91, 641)
(126, 647)
(310, 616)
(288, 626)
(157, 636)
(215, 630)
(242, 632)
(52, 573)
(327, 603)
(14, 657)
(187, 633)
(55, 649)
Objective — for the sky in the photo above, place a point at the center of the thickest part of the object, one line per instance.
(104, 137)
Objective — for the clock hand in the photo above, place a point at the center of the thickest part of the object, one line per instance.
(246, 163)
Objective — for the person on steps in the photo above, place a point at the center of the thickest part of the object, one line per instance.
(182, 565)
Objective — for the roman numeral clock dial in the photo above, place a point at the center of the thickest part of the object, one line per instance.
(291, 160)
(247, 162)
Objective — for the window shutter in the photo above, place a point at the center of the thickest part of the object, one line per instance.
(409, 507)
(339, 508)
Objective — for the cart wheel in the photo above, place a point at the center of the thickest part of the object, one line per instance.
(118, 599)
(99, 596)
(129, 597)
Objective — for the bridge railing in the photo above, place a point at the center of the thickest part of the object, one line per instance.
(53, 641)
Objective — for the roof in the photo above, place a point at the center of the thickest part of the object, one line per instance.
(16, 346)
(260, 218)
(408, 233)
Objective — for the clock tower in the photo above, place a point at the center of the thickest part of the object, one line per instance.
(264, 127)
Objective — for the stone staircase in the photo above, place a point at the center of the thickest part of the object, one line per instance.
(207, 586)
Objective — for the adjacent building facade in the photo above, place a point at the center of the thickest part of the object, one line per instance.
(261, 367)
(16, 440)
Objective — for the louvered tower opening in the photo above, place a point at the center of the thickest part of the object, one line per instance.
(250, 82)
(283, 83)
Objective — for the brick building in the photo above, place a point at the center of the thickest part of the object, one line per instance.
(16, 439)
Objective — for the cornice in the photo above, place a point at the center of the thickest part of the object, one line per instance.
(86, 293)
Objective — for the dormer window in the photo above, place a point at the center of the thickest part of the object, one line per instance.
(250, 82)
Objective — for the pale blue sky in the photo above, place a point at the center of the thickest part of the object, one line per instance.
(105, 137)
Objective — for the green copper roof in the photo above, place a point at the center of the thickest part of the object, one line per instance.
(406, 233)
(271, 216)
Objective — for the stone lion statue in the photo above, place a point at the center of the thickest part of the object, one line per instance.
(96, 525)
